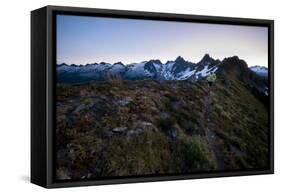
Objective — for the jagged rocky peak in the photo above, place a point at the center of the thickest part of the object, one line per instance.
(206, 59)
(119, 63)
(156, 61)
(206, 56)
(234, 65)
(89, 64)
(233, 58)
(236, 60)
(150, 66)
(180, 59)
(62, 64)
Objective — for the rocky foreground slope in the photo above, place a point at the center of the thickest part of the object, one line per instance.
(127, 128)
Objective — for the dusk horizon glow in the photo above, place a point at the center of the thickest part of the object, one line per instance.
(88, 39)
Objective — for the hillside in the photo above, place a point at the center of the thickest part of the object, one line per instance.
(140, 127)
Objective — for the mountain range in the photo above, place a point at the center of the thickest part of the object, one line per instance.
(179, 69)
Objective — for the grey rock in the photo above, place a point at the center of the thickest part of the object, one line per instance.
(145, 125)
(79, 108)
(119, 129)
(172, 133)
(62, 174)
(236, 151)
(107, 133)
(124, 101)
(164, 115)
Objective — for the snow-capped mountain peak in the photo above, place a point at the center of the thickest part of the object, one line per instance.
(260, 70)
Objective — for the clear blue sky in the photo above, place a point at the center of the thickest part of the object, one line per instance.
(87, 39)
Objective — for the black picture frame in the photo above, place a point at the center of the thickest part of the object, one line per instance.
(43, 80)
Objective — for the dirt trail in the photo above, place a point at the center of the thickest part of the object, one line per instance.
(212, 139)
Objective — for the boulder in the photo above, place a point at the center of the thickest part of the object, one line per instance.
(145, 125)
(79, 108)
(124, 100)
(119, 129)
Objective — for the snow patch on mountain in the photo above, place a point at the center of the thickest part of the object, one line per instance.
(203, 72)
(166, 71)
(117, 68)
(137, 70)
(186, 74)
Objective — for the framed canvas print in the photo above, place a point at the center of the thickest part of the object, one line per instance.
(125, 96)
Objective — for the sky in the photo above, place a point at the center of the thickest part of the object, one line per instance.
(88, 39)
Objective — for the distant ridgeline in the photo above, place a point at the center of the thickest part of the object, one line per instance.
(178, 69)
